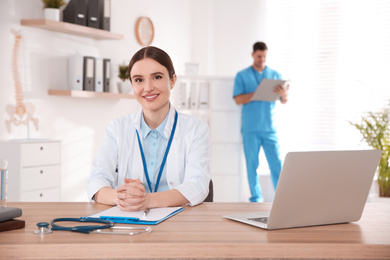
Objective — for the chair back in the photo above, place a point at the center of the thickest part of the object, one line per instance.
(210, 196)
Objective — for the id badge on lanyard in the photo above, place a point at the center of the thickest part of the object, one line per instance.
(163, 161)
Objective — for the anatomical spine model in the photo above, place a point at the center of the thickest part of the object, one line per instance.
(20, 113)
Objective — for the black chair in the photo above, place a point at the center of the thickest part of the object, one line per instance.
(210, 196)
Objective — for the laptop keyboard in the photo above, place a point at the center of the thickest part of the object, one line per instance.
(261, 220)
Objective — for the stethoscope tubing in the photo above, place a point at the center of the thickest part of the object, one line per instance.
(81, 229)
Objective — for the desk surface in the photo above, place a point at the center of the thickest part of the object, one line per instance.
(199, 232)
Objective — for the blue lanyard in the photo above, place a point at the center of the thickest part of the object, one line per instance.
(163, 161)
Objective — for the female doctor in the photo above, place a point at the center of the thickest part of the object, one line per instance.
(156, 157)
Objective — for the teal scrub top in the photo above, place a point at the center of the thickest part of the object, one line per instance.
(256, 116)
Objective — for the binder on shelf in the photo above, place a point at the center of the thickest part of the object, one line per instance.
(203, 95)
(194, 95)
(89, 74)
(183, 99)
(98, 74)
(94, 14)
(75, 72)
(75, 12)
(106, 75)
(106, 21)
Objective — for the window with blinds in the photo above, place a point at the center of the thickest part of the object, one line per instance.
(336, 55)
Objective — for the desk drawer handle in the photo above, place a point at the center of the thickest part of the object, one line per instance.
(41, 148)
(41, 171)
(41, 195)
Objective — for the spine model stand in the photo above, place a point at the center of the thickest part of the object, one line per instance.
(20, 113)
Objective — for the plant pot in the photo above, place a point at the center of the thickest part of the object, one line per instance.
(124, 87)
(52, 14)
(384, 181)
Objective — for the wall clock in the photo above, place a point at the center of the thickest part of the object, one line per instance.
(144, 31)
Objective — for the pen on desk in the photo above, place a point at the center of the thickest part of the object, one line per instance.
(146, 211)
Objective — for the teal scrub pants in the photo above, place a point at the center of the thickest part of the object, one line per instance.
(252, 142)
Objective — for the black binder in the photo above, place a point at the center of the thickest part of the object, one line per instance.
(76, 12)
(95, 13)
(106, 75)
(89, 74)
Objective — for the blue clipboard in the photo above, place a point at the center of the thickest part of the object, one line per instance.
(154, 217)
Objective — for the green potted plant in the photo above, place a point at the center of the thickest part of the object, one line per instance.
(375, 128)
(124, 85)
(123, 72)
(52, 9)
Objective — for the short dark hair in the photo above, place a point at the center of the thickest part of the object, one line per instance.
(153, 53)
(260, 46)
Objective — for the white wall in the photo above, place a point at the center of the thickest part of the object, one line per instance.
(223, 34)
(218, 34)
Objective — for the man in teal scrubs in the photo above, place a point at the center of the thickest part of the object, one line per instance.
(258, 129)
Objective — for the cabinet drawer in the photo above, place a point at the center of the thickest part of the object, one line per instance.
(39, 177)
(35, 154)
(44, 195)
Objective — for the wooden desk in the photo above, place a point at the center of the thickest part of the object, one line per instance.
(199, 232)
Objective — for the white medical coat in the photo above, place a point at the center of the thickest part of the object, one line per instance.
(187, 165)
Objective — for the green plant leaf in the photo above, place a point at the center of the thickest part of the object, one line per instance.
(53, 3)
(375, 129)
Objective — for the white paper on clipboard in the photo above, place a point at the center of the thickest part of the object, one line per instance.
(265, 90)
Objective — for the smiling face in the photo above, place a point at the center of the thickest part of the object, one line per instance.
(152, 87)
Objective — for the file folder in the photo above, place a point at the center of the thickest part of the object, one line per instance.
(95, 9)
(194, 95)
(75, 72)
(75, 12)
(203, 95)
(98, 74)
(89, 74)
(154, 217)
(183, 99)
(106, 75)
(106, 21)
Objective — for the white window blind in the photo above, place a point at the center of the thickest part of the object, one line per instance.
(337, 56)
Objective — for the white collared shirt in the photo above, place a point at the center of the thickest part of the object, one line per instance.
(155, 144)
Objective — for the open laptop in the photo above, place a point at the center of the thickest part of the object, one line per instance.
(318, 188)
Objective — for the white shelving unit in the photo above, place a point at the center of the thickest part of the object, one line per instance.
(224, 119)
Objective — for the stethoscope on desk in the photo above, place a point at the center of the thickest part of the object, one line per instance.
(43, 227)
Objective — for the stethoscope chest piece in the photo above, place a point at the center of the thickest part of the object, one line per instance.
(43, 228)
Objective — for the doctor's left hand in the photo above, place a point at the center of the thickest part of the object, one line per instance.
(282, 91)
(131, 195)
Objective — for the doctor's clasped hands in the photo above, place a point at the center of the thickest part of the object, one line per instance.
(131, 195)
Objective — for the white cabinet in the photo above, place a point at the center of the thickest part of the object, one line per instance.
(218, 109)
(34, 170)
